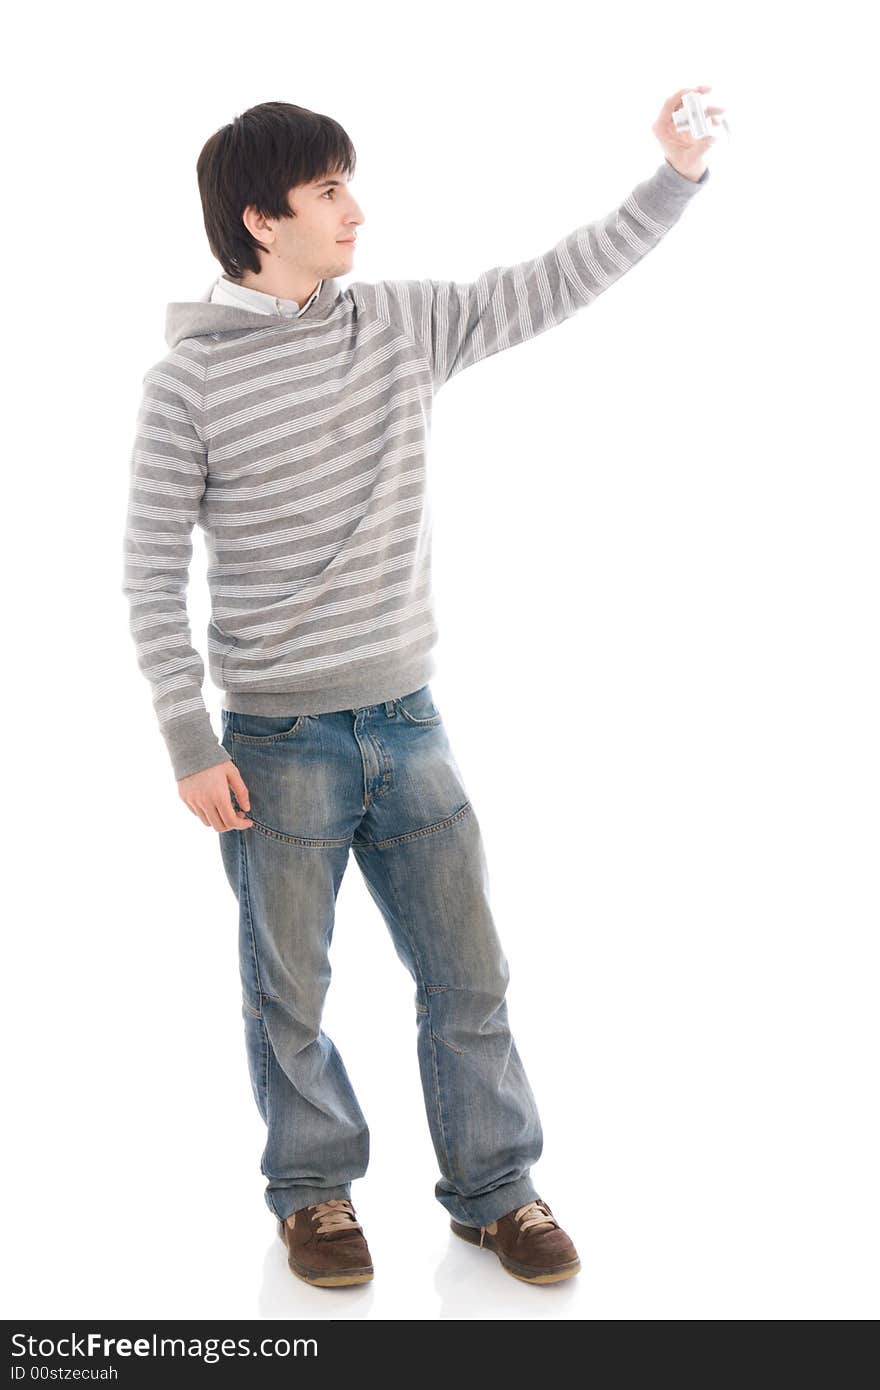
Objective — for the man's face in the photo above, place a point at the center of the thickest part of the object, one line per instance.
(318, 240)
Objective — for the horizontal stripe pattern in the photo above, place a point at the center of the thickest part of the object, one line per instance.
(299, 446)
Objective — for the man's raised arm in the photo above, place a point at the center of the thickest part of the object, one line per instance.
(459, 323)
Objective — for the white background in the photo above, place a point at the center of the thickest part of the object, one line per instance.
(656, 581)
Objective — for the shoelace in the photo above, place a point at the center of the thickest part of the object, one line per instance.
(533, 1214)
(336, 1214)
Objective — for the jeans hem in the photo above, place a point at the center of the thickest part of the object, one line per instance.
(480, 1211)
(285, 1202)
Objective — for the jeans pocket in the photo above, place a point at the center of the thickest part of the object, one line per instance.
(418, 707)
(264, 728)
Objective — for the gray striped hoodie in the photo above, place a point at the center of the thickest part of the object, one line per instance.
(298, 444)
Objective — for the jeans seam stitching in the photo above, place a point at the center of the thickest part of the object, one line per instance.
(452, 1172)
(250, 920)
(421, 980)
(266, 1072)
(416, 834)
(424, 723)
(451, 1046)
(305, 842)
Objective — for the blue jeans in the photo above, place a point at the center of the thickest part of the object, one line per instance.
(382, 781)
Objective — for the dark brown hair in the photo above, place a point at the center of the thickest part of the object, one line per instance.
(256, 161)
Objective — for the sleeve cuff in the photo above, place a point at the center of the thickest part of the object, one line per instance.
(665, 195)
(676, 180)
(192, 745)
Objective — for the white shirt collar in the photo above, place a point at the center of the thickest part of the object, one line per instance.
(226, 291)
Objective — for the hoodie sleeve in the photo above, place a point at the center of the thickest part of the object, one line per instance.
(457, 324)
(168, 472)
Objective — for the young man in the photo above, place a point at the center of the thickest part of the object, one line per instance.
(290, 419)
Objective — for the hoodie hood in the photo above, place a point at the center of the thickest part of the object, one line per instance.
(199, 318)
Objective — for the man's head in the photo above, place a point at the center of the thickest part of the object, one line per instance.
(275, 196)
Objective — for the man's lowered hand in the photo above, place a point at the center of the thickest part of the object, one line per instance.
(206, 793)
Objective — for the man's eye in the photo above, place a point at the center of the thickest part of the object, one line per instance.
(329, 191)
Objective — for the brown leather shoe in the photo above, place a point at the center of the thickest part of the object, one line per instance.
(326, 1244)
(529, 1242)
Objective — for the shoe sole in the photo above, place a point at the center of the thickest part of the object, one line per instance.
(361, 1275)
(549, 1276)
